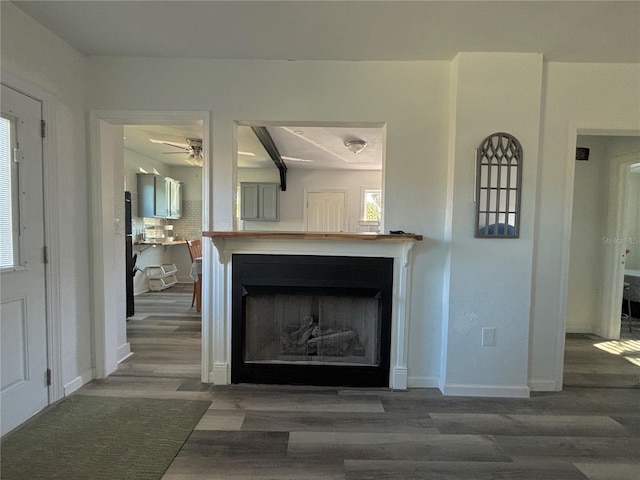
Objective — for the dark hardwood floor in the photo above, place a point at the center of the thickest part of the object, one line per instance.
(590, 430)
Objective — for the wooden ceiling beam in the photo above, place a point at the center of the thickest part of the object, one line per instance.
(269, 145)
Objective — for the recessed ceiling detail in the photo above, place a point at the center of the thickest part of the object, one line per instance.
(315, 147)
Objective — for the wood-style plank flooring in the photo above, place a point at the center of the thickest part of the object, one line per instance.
(590, 430)
(164, 334)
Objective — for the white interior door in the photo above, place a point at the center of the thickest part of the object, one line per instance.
(23, 342)
(326, 212)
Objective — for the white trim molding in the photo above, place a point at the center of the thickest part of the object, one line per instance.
(124, 352)
(470, 390)
(423, 382)
(78, 382)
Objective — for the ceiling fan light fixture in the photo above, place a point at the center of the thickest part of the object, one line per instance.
(196, 161)
(355, 146)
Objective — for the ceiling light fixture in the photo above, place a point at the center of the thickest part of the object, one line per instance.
(355, 146)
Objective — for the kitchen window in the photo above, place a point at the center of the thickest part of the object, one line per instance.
(371, 212)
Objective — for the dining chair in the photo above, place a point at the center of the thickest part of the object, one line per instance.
(195, 251)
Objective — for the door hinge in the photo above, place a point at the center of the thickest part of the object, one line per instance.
(43, 128)
(48, 375)
(45, 251)
(17, 155)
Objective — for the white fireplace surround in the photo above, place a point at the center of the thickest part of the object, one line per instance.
(226, 244)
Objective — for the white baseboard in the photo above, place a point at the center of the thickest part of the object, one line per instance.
(462, 390)
(78, 382)
(579, 329)
(423, 382)
(124, 352)
(543, 386)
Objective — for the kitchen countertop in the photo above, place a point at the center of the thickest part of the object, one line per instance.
(164, 244)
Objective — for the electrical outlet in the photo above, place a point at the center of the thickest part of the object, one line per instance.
(488, 337)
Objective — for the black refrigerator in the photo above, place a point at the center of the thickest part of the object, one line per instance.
(130, 269)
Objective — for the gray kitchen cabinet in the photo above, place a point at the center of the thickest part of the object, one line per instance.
(174, 187)
(159, 196)
(259, 201)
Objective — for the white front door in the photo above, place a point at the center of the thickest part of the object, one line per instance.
(23, 327)
(326, 212)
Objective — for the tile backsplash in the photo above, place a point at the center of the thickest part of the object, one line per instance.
(188, 227)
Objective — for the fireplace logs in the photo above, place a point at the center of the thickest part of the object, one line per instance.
(310, 339)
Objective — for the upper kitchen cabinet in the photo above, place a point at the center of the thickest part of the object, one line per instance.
(174, 189)
(259, 201)
(159, 197)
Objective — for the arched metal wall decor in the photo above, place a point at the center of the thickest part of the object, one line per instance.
(498, 187)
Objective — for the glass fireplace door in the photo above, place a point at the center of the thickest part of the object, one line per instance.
(312, 329)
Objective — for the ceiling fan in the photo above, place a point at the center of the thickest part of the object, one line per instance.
(193, 149)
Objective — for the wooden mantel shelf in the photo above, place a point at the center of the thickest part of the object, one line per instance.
(265, 235)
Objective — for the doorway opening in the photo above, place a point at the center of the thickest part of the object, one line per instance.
(129, 149)
(328, 176)
(605, 237)
(163, 178)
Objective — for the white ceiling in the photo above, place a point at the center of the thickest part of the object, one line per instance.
(571, 31)
(314, 147)
(137, 138)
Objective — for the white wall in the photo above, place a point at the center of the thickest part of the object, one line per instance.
(33, 55)
(490, 279)
(135, 163)
(588, 227)
(301, 180)
(414, 104)
(411, 97)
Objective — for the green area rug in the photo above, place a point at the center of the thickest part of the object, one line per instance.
(85, 437)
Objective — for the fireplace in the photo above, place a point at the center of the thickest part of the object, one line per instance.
(313, 320)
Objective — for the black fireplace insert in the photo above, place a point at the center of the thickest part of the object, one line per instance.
(311, 320)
